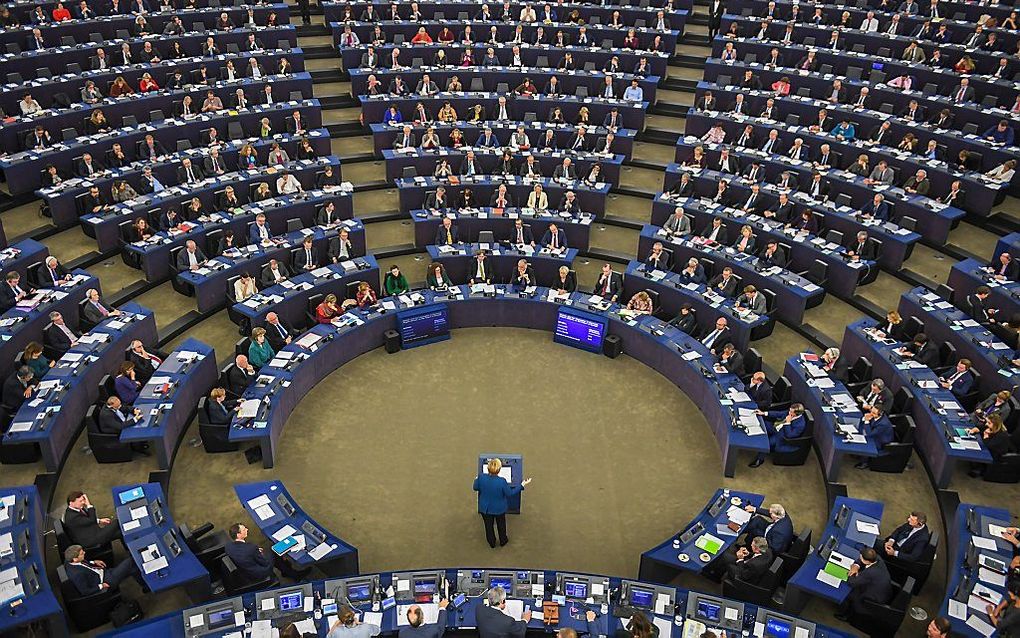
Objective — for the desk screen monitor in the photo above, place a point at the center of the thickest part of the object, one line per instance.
(776, 628)
(502, 581)
(359, 593)
(420, 326)
(575, 589)
(641, 597)
(842, 516)
(291, 601)
(220, 617)
(131, 495)
(424, 589)
(156, 508)
(708, 610)
(580, 329)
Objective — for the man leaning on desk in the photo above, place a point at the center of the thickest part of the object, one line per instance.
(84, 526)
(494, 623)
(417, 627)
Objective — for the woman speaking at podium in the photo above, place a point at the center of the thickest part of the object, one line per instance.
(494, 493)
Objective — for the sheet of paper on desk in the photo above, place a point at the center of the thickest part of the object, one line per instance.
(691, 356)
(867, 528)
(828, 579)
(139, 512)
(368, 617)
(505, 474)
(514, 608)
(983, 543)
(249, 408)
(264, 512)
(801, 632)
(262, 629)
(196, 621)
(22, 426)
(977, 624)
(283, 532)
(261, 499)
(155, 565)
(824, 382)
(992, 578)
(10, 589)
(321, 550)
(957, 609)
(738, 515)
(127, 526)
(664, 626)
(987, 594)
(994, 530)
(739, 396)
(307, 626)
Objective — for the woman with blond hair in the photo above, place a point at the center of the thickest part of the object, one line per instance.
(494, 494)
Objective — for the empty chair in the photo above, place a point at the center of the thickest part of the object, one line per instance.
(486, 237)
(156, 115)
(129, 120)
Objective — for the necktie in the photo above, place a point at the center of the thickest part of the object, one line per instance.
(191, 176)
(449, 236)
(711, 338)
(959, 95)
(555, 241)
(283, 333)
(605, 285)
(53, 275)
(308, 257)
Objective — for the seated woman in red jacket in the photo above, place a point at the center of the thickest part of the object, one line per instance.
(326, 311)
(366, 296)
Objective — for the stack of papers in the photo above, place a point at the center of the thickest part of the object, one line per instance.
(709, 543)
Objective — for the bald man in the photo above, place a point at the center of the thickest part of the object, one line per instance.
(419, 628)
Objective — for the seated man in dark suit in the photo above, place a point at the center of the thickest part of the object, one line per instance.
(12, 291)
(760, 391)
(879, 429)
(908, 541)
(869, 581)
(446, 234)
(748, 563)
(83, 525)
(494, 623)
(781, 427)
(724, 283)
(685, 320)
(306, 258)
(57, 335)
(773, 524)
(250, 559)
(191, 258)
(92, 576)
(608, 285)
(146, 363)
(960, 380)
(278, 331)
(273, 273)
(861, 248)
(18, 387)
(921, 350)
(875, 394)
(240, 375)
(112, 420)
(52, 273)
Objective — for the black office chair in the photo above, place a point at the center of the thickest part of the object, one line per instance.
(758, 593)
(860, 372)
(802, 444)
(215, 438)
(795, 554)
(92, 552)
(90, 611)
(176, 283)
(752, 364)
(781, 394)
(236, 583)
(902, 401)
(817, 273)
(313, 303)
(106, 388)
(242, 345)
(1005, 470)
(912, 326)
(918, 569)
(106, 448)
(882, 620)
(896, 455)
(208, 548)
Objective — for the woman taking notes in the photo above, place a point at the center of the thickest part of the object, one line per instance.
(494, 493)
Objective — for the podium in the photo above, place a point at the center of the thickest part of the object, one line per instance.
(512, 471)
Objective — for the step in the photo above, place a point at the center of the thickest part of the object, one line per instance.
(320, 52)
(310, 30)
(679, 84)
(687, 61)
(327, 75)
(658, 136)
(337, 101)
(669, 109)
(346, 129)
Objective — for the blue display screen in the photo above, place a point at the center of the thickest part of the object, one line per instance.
(641, 598)
(424, 587)
(358, 593)
(708, 610)
(776, 628)
(219, 618)
(291, 601)
(500, 582)
(576, 590)
(580, 330)
(420, 326)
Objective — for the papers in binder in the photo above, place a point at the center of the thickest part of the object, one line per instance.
(258, 501)
(308, 340)
(828, 579)
(283, 533)
(691, 356)
(155, 565)
(264, 512)
(738, 515)
(514, 609)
